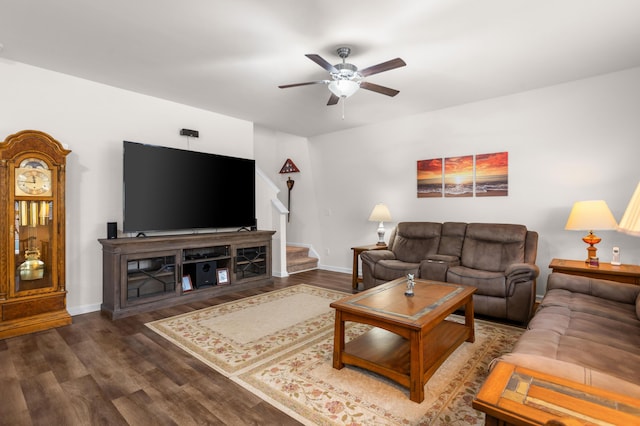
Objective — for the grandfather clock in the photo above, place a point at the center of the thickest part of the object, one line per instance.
(32, 246)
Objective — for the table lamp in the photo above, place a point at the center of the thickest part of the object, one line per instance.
(589, 216)
(630, 222)
(380, 213)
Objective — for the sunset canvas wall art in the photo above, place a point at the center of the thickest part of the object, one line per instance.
(492, 175)
(430, 178)
(458, 176)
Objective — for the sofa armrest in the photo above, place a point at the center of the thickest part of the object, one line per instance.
(374, 256)
(524, 271)
(618, 292)
(518, 273)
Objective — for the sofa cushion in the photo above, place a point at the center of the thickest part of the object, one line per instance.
(452, 238)
(610, 290)
(614, 332)
(596, 355)
(488, 283)
(414, 241)
(492, 247)
(600, 308)
(638, 306)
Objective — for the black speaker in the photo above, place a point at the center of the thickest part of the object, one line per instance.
(112, 230)
(202, 273)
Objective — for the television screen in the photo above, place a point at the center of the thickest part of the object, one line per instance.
(172, 189)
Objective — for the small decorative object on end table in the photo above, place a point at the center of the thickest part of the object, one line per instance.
(629, 274)
(355, 277)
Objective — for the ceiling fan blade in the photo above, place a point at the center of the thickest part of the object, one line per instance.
(285, 86)
(323, 63)
(333, 99)
(379, 89)
(385, 66)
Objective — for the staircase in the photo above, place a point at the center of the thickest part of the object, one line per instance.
(298, 260)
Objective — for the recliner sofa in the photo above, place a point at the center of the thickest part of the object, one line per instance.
(586, 330)
(497, 259)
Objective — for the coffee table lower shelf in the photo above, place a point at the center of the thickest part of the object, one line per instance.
(389, 354)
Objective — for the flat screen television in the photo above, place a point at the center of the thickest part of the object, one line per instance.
(168, 189)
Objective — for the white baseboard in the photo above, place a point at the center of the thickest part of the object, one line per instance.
(84, 309)
(335, 269)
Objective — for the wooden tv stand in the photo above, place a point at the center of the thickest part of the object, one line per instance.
(146, 273)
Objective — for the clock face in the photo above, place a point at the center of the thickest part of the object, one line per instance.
(33, 182)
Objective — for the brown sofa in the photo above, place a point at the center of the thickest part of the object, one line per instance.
(497, 259)
(586, 330)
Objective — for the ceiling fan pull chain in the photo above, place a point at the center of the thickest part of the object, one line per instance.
(344, 101)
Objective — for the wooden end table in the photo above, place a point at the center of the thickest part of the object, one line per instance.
(355, 274)
(411, 337)
(514, 395)
(629, 274)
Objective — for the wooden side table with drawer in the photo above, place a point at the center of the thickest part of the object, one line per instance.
(629, 274)
(355, 275)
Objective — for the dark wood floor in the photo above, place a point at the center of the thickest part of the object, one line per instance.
(102, 372)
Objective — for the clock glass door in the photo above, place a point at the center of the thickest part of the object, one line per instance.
(33, 246)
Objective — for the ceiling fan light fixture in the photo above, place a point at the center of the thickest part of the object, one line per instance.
(344, 88)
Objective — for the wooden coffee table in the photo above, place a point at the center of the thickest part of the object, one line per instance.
(411, 337)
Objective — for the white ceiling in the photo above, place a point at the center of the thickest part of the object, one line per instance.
(230, 56)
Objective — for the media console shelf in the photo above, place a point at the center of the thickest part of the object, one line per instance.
(144, 274)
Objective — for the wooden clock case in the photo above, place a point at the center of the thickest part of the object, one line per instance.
(32, 246)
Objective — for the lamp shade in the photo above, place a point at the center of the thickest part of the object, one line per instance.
(630, 222)
(589, 216)
(343, 88)
(380, 213)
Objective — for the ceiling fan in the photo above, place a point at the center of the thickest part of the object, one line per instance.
(346, 79)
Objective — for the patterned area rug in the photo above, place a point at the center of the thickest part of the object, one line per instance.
(279, 346)
(236, 335)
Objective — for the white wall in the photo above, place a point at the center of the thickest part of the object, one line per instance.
(571, 142)
(272, 148)
(93, 120)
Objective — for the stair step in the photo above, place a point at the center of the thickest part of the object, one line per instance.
(298, 259)
(303, 264)
(295, 252)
